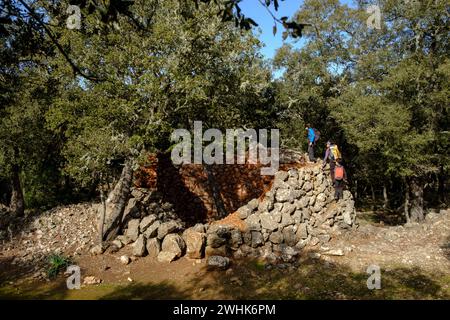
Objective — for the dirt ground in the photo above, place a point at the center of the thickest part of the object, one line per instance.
(414, 261)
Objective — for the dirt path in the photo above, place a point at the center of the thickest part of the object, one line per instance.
(414, 261)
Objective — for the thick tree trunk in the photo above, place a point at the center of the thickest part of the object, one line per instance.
(416, 213)
(215, 191)
(17, 204)
(116, 203)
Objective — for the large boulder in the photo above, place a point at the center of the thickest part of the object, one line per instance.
(133, 229)
(195, 243)
(165, 256)
(153, 247)
(166, 228)
(152, 230)
(146, 222)
(218, 262)
(174, 243)
(139, 246)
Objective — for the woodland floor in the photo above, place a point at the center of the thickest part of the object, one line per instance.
(414, 261)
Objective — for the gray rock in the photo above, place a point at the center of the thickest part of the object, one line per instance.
(96, 250)
(334, 252)
(133, 229)
(283, 195)
(218, 262)
(286, 220)
(165, 256)
(219, 251)
(293, 173)
(302, 232)
(124, 259)
(152, 231)
(235, 238)
(347, 215)
(199, 227)
(306, 213)
(303, 202)
(247, 238)
(253, 204)
(124, 239)
(289, 236)
(276, 237)
(265, 205)
(267, 222)
(297, 216)
(288, 208)
(244, 212)
(117, 243)
(301, 244)
(195, 242)
(174, 243)
(281, 175)
(146, 222)
(307, 186)
(253, 222)
(153, 247)
(324, 238)
(131, 209)
(257, 239)
(215, 241)
(166, 228)
(139, 246)
(322, 198)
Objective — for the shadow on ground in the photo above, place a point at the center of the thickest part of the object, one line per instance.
(250, 279)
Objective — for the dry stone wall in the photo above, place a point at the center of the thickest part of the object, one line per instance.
(298, 210)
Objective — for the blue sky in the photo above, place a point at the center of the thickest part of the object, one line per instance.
(253, 9)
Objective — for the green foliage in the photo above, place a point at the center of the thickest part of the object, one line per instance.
(57, 263)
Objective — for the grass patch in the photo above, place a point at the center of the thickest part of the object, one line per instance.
(57, 263)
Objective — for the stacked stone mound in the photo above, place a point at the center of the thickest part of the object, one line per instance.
(298, 210)
(151, 226)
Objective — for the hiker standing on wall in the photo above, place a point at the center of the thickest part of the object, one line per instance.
(331, 154)
(340, 178)
(313, 136)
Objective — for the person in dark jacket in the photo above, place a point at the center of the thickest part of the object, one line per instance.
(340, 179)
(311, 142)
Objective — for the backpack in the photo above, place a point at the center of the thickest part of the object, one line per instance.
(339, 173)
(316, 135)
(334, 153)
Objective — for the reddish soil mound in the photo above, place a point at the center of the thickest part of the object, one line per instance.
(187, 188)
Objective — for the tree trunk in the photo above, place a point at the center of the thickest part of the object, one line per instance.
(385, 197)
(441, 185)
(406, 209)
(116, 203)
(416, 213)
(17, 204)
(215, 191)
(372, 190)
(102, 215)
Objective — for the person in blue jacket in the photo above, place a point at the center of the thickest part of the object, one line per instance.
(311, 142)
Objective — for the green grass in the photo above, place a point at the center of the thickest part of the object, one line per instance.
(57, 263)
